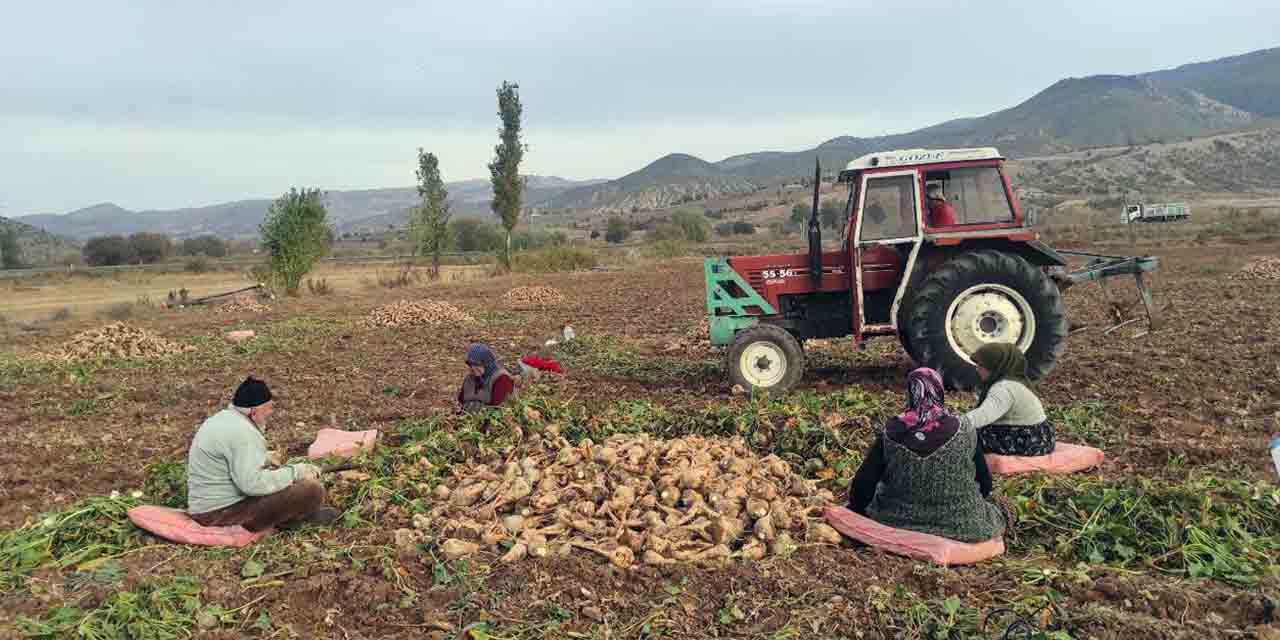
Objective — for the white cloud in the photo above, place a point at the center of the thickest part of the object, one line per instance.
(155, 104)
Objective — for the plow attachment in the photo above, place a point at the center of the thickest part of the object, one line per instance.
(1102, 267)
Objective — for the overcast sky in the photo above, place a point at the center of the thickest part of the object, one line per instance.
(173, 104)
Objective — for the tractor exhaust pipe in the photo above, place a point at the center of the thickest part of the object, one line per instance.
(815, 229)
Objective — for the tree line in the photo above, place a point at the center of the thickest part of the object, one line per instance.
(148, 248)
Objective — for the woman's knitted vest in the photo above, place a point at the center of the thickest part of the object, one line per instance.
(936, 494)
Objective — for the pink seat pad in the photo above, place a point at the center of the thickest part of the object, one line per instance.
(1066, 458)
(335, 442)
(176, 526)
(912, 544)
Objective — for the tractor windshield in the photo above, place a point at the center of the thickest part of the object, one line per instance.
(976, 193)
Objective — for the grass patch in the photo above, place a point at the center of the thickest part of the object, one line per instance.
(607, 356)
(90, 529)
(499, 318)
(156, 610)
(85, 406)
(1085, 423)
(1225, 530)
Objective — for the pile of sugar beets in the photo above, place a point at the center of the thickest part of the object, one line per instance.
(633, 498)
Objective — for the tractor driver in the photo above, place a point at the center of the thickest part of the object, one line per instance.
(941, 213)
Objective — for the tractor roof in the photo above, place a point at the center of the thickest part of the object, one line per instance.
(910, 157)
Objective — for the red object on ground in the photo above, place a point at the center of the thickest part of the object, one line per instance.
(176, 526)
(921, 546)
(1066, 458)
(335, 442)
(544, 364)
(240, 336)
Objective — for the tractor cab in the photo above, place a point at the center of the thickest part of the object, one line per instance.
(936, 252)
(899, 201)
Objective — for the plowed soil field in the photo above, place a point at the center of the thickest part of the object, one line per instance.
(1184, 413)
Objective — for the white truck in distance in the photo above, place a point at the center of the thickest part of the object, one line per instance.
(1155, 212)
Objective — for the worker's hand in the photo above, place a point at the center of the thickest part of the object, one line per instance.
(276, 458)
(304, 471)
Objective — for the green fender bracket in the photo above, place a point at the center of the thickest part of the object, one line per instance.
(729, 297)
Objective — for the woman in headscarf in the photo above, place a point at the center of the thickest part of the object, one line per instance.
(1009, 417)
(487, 384)
(926, 473)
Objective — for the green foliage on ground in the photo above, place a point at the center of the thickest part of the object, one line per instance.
(1227, 530)
(93, 528)
(151, 611)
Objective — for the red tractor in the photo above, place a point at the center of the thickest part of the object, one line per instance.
(936, 252)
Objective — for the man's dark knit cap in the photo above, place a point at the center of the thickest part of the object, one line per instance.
(251, 393)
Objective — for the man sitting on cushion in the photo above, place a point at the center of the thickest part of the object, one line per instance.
(228, 482)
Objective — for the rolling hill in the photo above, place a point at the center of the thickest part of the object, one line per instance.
(347, 209)
(1250, 82)
(667, 181)
(39, 246)
(1191, 101)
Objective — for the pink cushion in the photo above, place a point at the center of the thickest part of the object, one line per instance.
(1066, 458)
(921, 546)
(175, 525)
(334, 442)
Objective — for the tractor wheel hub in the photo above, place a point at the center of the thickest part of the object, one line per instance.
(986, 314)
(763, 364)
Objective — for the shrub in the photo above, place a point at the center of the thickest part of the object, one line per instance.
(296, 234)
(617, 231)
(319, 286)
(397, 279)
(104, 251)
(667, 249)
(666, 233)
(198, 264)
(555, 259)
(695, 226)
(209, 246)
(150, 248)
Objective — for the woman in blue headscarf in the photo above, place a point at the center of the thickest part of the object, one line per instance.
(487, 384)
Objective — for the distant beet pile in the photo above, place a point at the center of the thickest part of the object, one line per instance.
(1263, 268)
(407, 313)
(533, 297)
(117, 340)
(242, 304)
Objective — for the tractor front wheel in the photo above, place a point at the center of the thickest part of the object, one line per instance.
(980, 298)
(765, 357)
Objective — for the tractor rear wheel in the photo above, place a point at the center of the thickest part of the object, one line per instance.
(765, 357)
(979, 298)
